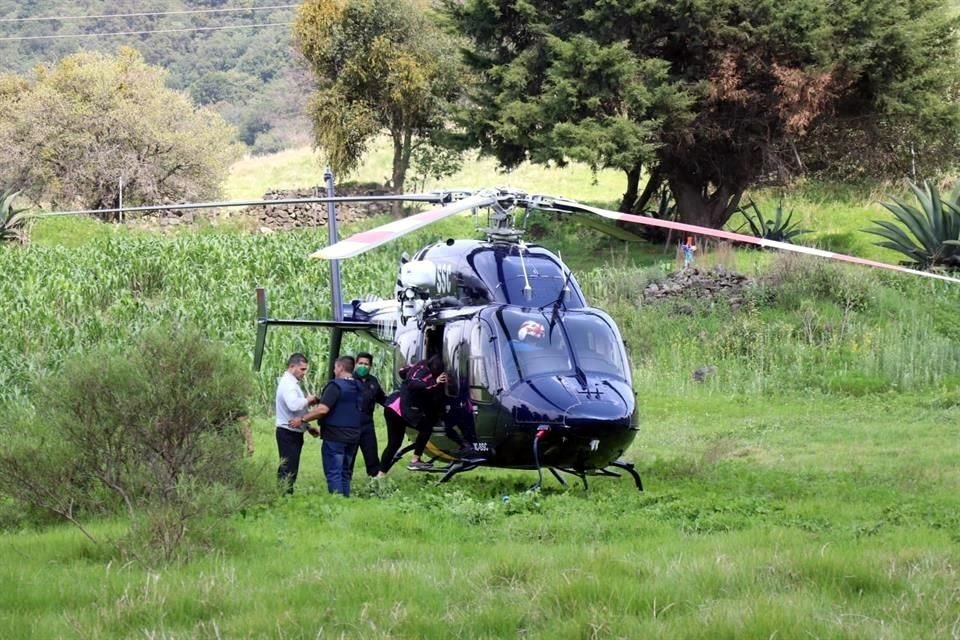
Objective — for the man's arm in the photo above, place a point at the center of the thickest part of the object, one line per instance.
(329, 397)
(292, 398)
(317, 412)
(379, 396)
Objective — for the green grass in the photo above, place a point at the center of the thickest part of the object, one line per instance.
(807, 489)
(297, 168)
(803, 517)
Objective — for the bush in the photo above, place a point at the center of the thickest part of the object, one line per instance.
(150, 431)
(930, 235)
(795, 280)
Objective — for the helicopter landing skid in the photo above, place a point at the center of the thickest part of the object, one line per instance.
(457, 466)
(605, 472)
(629, 468)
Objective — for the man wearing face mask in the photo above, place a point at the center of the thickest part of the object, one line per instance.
(371, 394)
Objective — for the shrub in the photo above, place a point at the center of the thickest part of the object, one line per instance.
(779, 228)
(149, 431)
(932, 235)
(13, 222)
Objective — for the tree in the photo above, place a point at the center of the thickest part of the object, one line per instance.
(707, 96)
(380, 65)
(70, 133)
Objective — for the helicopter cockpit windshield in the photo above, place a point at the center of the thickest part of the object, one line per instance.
(512, 274)
(533, 344)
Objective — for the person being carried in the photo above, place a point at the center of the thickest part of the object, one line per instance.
(372, 395)
(341, 421)
(418, 404)
(291, 403)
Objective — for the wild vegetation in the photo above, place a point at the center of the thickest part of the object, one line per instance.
(712, 97)
(380, 66)
(805, 487)
(245, 72)
(799, 444)
(93, 126)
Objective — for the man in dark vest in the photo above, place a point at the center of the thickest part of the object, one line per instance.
(340, 411)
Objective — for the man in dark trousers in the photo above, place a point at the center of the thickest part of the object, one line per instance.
(373, 395)
(291, 404)
(341, 421)
(419, 405)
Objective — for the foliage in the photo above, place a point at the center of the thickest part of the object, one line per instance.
(150, 430)
(779, 228)
(708, 96)
(434, 162)
(13, 221)
(380, 65)
(242, 73)
(75, 129)
(932, 234)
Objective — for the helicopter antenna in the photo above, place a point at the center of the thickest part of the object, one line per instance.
(527, 289)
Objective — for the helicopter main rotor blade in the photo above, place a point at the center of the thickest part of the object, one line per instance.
(571, 206)
(367, 240)
(437, 197)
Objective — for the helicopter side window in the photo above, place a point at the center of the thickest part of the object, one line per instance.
(405, 352)
(482, 364)
(598, 349)
(451, 354)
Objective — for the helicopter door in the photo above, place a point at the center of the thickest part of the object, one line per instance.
(452, 338)
(407, 347)
(483, 365)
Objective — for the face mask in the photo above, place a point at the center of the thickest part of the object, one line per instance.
(362, 370)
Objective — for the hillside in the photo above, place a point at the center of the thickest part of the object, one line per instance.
(239, 62)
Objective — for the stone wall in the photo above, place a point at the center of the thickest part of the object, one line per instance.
(296, 216)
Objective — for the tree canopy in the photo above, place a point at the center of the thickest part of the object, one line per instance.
(380, 65)
(228, 60)
(708, 96)
(72, 131)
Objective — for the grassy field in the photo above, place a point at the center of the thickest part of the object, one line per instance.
(793, 517)
(809, 489)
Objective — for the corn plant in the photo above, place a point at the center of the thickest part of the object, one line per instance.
(932, 234)
(779, 228)
(12, 221)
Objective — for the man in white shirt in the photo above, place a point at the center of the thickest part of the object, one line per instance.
(292, 403)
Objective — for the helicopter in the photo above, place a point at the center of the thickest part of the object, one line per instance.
(541, 379)
(538, 377)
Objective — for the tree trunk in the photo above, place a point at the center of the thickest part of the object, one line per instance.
(633, 187)
(696, 206)
(653, 184)
(402, 148)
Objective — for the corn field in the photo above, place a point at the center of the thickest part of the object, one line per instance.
(57, 301)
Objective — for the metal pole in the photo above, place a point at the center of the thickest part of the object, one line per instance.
(120, 213)
(336, 293)
(913, 162)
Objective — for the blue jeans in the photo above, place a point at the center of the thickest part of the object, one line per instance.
(338, 460)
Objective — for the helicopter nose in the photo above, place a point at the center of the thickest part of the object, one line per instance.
(598, 413)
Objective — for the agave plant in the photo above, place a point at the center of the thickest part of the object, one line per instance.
(12, 221)
(778, 229)
(932, 234)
